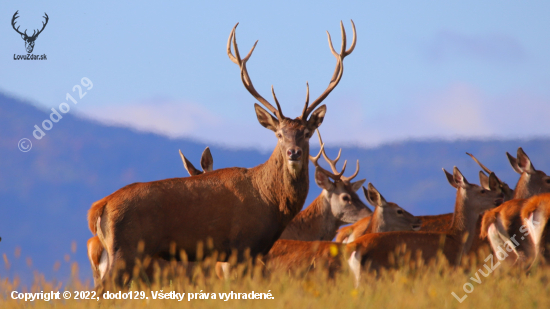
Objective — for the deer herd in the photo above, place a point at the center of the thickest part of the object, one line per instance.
(250, 212)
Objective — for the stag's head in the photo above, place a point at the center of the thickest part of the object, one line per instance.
(338, 189)
(29, 40)
(292, 134)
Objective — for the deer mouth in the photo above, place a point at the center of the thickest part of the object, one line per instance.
(295, 165)
(499, 201)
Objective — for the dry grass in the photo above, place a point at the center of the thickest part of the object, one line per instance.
(411, 286)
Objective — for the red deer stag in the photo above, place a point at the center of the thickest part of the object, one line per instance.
(236, 209)
(502, 224)
(337, 204)
(471, 201)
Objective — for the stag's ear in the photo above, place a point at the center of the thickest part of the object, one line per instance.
(207, 162)
(317, 118)
(374, 197)
(266, 119)
(514, 163)
(494, 184)
(450, 178)
(189, 167)
(322, 180)
(460, 180)
(484, 180)
(524, 163)
(356, 185)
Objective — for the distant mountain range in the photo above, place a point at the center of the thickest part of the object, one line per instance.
(45, 193)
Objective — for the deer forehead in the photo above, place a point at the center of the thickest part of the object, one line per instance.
(291, 127)
(342, 187)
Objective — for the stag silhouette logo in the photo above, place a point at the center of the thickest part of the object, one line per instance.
(29, 40)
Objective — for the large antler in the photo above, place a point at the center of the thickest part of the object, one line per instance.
(338, 71)
(244, 74)
(13, 24)
(43, 26)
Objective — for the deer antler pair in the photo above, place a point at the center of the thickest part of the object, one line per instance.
(335, 175)
(34, 34)
(336, 76)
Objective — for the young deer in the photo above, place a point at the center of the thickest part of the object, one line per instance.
(441, 223)
(471, 201)
(503, 223)
(98, 256)
(387, 217)
(287, 254)
(207, 163)
(234, 209)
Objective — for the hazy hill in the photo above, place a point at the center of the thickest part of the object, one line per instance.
(46, 192)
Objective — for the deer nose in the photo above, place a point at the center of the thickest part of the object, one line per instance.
(294, 153)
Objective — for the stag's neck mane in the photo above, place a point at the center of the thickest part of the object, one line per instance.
(316, 222)
(464, 220)
(279, 187)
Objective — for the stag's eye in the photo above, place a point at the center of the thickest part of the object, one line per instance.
(483, 191)
(279, 135)
(346, 198)
(399, 212)
(547, 180)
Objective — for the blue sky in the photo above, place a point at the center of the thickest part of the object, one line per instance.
(421, 69)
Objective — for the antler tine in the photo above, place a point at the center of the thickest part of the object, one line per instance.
(315, 161)
(344, 178)
(13, 22)
(332, 163)
(43, 25)
(244, 73)
(304, 115)
(339, 70)
(280, 110)
(479, 163)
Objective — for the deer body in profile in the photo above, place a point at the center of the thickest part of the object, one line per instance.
(235, 209)
(29, 40)
(98, 256)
